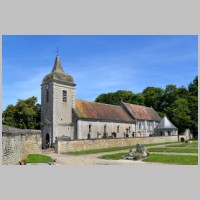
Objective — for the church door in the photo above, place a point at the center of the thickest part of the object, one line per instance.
(47, 140)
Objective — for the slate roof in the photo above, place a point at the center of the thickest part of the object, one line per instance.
(58, 74)
(141, 112)
(101, 111)
(165, 124)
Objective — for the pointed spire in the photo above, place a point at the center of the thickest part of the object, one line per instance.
(57, 65)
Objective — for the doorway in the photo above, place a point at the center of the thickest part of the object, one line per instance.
(47, 140)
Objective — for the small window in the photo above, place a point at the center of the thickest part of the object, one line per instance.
(47, 94)
(64, 95)
(90, 128)
(117, 129)
(105, 129)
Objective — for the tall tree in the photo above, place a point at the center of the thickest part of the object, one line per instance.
(193, 87)
(152, 97)
(180, 114)
(25, 114)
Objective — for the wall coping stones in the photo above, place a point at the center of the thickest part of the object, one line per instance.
(8, 130)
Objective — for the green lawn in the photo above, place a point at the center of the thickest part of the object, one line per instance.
(193, 144)
(177, 145)
(38, 158)
(173, 159)
(164, 158)
(116, 156)
(93, 151)
(174, 150)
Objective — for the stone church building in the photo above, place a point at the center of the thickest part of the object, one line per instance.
(63, 115)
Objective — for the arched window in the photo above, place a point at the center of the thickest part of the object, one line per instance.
(64, 95)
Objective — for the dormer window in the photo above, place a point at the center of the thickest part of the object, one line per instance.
(64, 95)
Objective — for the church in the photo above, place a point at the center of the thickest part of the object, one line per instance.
(62, 115)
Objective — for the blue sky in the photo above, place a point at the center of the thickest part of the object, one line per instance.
(98, 64)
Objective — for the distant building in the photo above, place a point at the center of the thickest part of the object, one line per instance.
(165, 128)
(64, 116)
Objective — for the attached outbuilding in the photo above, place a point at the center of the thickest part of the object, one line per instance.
(165, 128)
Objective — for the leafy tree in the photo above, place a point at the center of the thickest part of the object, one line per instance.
(115, 98)
(180, 114)
(9, 116)
(193, 87)
(121, 95)
(25, 114)
(153, 97)
(170, 96)
(137, 99)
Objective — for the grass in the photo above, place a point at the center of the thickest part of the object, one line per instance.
(173, 159)
(116, 156)
(164, 158)
(177, 145)
(93, 151)
(38, 158)
(193, 144)
(174, 150)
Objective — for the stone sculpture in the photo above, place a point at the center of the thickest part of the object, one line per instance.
(139, 154)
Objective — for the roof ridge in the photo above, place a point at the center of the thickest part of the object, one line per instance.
(137, 105)
(98, 102)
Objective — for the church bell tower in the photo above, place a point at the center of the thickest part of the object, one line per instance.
(57, 102)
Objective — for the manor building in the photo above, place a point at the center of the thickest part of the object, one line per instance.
(62, 115)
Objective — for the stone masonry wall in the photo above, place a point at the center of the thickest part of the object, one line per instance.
(18, 143)
(62, 146)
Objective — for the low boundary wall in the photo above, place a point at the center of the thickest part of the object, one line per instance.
(18, 143)
(62, 146)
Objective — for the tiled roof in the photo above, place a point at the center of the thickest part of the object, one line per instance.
(101, 111)
(141, 112)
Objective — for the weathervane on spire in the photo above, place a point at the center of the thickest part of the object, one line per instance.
(57, 51)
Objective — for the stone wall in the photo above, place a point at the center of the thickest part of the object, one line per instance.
(62, 146)
(18, 143)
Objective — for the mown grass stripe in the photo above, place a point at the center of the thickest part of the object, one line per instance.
(173, 150)
(173, 159)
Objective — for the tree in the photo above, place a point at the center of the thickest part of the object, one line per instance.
(115, 98)
(193, 87)
(193, 108)
(170, 96)
(137, 99)
(180, 114)
(153, 97)
(25, 114)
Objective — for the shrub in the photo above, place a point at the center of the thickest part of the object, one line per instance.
(186, 141)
